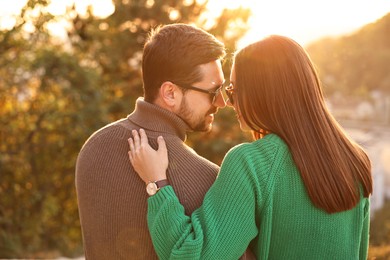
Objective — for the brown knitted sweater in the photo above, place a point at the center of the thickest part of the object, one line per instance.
(112, 198)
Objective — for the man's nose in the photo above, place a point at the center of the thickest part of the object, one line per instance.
(220, 101)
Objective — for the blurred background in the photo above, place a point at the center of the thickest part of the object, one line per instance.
(68, 67)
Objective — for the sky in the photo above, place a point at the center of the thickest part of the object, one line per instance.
(302, 20)
(309, 20)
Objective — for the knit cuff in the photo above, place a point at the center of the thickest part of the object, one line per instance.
(163, 195)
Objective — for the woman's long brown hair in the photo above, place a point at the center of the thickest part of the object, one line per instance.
(278, 91)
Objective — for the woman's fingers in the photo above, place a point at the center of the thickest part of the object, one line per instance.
(144, 138)
(136, 140)
(132, 149)
(162, 148)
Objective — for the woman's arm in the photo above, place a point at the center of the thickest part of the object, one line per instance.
(220, 229)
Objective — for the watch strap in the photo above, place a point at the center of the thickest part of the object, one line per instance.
(161, 183)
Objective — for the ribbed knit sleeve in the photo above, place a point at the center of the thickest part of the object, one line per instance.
(225, 223)
(364, 242)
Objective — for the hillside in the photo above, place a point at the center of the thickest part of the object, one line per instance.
(356, 64)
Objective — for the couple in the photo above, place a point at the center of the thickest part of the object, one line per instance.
(299, 191)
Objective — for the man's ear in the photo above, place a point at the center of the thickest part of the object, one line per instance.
(168, 94)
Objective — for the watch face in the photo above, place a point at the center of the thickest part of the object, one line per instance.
(151, 188)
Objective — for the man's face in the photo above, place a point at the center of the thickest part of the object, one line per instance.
(197, 109)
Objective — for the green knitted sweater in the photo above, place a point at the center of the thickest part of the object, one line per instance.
(258, 199)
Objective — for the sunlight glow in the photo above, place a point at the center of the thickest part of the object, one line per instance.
(59, 7)
(7, 9)
(305, 20)
(7, 13)
(7, 22)
(101, 8)
(229, 4)
(385, 158)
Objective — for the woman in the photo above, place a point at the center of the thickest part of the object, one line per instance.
(299, 191)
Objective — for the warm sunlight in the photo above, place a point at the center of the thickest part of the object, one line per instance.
(303, 20)
(100, 8)
(103, 8)
(306, 20)
(78, 78)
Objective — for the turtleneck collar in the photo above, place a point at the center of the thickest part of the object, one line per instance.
(155, 118)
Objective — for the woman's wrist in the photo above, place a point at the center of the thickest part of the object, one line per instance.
(154, 186)
(157, 176)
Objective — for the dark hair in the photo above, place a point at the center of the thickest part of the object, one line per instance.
(173, 53)
(278, 91)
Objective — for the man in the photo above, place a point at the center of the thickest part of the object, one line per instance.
(182, 78)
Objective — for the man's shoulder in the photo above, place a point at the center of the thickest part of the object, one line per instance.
(113, 132)
(106, 147)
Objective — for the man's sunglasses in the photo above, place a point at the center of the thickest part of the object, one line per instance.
(229, 90)
(213, 93)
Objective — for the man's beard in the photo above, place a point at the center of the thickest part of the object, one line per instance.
(198, 125)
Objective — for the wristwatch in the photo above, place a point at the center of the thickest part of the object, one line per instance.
(153, 187)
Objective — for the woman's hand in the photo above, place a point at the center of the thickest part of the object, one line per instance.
(151, 165)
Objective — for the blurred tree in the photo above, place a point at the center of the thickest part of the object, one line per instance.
(55, 92)
(48, 106)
